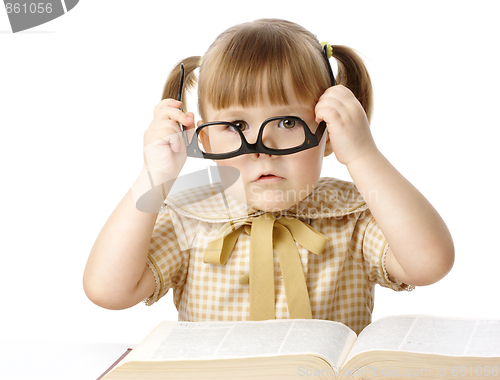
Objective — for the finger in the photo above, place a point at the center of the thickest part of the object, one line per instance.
(160, 131)
(347, 92)
(338, 92)
(175, 142)
(175, 114)
(164, 129)
(347, 104)
(190, 124)
(170, 127)
(167, 103)
(342, 100)
(339, 89)
(330, 110)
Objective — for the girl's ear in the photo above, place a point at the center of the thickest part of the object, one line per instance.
(328, 146)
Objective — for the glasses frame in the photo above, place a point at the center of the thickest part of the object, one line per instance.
(311, 140)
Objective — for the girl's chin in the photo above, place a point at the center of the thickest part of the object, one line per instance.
(270, 198)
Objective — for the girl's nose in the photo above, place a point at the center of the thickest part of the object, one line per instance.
(257, 155)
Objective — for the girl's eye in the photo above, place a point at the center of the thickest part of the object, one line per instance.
(241, 125)
(287, 123)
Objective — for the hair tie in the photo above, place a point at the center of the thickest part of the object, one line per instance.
(330, 48)
(201, 60)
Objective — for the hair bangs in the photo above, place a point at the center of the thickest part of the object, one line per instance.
(260, 63)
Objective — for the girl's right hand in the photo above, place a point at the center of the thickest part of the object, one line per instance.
(164, 144)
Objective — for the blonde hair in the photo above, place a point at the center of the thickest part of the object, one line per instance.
(248, 63)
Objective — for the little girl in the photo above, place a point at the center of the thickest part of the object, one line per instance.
(279, 242)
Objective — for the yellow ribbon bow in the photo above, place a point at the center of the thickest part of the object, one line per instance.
(264, 230)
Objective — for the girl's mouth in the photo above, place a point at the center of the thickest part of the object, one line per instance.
(268, 178)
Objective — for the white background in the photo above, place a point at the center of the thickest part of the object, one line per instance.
(76, 95)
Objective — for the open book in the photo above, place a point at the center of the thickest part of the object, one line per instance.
(391, 347)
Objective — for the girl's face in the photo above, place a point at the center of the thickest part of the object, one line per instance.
(272, 183)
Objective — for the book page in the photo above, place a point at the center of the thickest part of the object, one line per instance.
(212, 340)
(433, 335)
(333, 343)
(191, 341)
(485, 339)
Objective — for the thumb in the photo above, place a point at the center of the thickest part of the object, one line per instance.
(189, 124)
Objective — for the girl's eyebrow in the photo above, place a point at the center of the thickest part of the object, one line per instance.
(284, 110)
(223, 114)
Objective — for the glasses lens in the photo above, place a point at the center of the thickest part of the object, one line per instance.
(219, 139)
(284, 133)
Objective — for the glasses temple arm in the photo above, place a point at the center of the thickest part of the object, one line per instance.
(330, 71)
(179, 98)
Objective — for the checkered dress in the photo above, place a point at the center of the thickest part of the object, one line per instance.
(340, 281)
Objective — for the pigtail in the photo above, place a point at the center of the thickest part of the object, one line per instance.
(172, 84)
(353, 74)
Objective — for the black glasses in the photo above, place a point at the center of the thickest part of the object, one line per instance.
(282, 135)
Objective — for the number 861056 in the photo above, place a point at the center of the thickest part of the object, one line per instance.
(28, 8)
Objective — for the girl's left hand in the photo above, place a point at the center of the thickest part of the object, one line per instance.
(348, 126)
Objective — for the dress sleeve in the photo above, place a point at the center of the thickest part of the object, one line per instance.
(374, 251)
(166, 259)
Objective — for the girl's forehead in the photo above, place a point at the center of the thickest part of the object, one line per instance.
(288, 103)
(262, 111)
(258, 87)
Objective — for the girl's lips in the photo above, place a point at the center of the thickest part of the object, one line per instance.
(268, 179)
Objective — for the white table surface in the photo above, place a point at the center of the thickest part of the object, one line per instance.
(24, 359)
